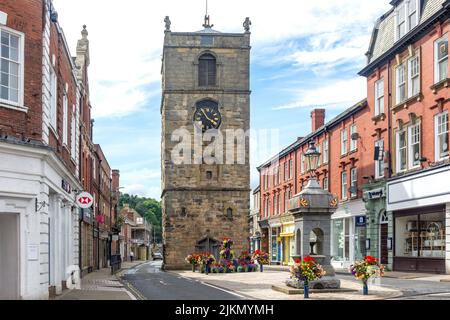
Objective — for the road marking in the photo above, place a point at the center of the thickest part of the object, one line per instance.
(224, 290)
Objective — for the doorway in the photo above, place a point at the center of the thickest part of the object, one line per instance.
(384, 252)
(9, 256)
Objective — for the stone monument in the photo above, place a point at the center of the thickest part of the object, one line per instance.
(312, 209)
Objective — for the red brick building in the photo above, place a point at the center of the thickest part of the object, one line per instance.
(345, 161)
(39, 176)
(407, 75)
(386, 158)
(46, 151)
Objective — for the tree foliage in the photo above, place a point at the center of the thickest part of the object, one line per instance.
(148, 208)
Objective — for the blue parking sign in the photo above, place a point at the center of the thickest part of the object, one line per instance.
(360, 221)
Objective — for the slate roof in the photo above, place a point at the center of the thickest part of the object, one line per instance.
(383, 35)
(330, 124)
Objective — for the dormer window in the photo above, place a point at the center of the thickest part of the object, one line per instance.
(407, 17)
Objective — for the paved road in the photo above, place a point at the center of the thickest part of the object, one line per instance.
(153, 284)
(414, 289)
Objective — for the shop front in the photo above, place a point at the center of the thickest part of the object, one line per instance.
(379, 222)
(276, 245)
(287, 239)
(420, 207)
(348, 234)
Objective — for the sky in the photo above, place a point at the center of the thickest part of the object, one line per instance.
(305, 55)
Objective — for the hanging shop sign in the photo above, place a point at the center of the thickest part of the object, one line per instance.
(375, 194)
(87, 216)
(85, 200)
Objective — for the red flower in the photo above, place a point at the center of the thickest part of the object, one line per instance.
(370, 259)
(309, 259)
(297, 261)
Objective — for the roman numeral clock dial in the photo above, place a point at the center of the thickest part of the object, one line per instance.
(207, 118)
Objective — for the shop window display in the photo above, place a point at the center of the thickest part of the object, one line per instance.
(420, 236)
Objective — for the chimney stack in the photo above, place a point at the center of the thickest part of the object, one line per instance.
(318, 119)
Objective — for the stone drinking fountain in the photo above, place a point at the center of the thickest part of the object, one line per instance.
(312, 209)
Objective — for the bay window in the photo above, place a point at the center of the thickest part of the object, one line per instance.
(401, 151)
(379, 97)
(441, 136)
(414, 145)
(441, 59)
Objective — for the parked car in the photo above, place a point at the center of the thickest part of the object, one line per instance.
(157, 256)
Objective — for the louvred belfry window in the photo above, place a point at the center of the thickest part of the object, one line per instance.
(207, 70)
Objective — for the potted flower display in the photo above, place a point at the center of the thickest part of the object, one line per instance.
(366, 269)
(207, 260)
(193, 260)
(306, 270)
(262, 258)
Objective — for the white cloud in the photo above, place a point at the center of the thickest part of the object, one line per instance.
(126, 41)
(334, 95)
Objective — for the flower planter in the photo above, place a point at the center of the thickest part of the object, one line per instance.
(194, 267)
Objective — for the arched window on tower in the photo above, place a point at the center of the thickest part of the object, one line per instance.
(207, 70)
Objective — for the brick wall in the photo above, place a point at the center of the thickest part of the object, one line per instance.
(26, 16)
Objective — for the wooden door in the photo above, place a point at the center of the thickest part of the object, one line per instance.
(384, 243)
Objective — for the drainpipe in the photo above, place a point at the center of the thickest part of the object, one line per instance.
(389, 116)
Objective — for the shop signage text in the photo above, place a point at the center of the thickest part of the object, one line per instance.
(375, 194)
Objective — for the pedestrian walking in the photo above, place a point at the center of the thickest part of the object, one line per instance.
(131, 256)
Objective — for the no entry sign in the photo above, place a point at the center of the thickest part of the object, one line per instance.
(85, 200)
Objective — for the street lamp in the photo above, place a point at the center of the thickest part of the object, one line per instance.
(312, 156)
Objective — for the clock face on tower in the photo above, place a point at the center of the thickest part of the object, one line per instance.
(207, 117)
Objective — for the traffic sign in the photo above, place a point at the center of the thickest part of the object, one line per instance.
(85, 200)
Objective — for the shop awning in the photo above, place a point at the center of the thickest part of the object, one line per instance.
(287, 234)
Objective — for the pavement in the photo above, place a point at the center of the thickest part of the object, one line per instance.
(145, 281)
(388, 274)
(258, 286)
(101, 285)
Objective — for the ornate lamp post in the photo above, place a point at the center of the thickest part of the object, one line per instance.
(312, 156)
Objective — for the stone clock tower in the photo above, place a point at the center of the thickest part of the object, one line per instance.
(205, 92)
